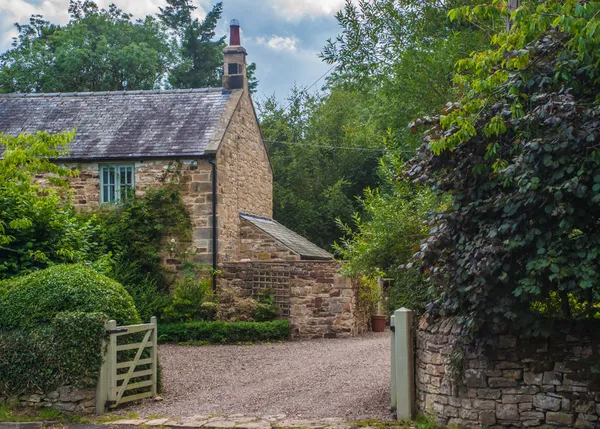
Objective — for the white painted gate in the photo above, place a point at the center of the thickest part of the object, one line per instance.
(123, 372)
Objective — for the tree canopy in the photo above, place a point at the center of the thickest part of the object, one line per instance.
(107, 50)
(98, 50)
(518, 153)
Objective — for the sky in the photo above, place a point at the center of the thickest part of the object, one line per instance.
(283, 37)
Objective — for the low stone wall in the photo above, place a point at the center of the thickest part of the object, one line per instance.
(66, 399)
(317, 300)
(509, 381)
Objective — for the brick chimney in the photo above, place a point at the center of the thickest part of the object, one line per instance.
(234, 71)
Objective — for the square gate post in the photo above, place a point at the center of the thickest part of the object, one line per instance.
(405, 370)
(102, 385)
(154, 352)
(394, 402)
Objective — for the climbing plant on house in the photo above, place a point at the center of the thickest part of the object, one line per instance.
(519, 154)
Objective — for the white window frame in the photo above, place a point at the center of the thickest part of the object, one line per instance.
(114, 179)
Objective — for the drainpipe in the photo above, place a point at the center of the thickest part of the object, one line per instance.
(215, 239)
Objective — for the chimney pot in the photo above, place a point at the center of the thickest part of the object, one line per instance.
(234, 33)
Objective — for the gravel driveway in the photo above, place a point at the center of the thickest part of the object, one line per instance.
(306, 379)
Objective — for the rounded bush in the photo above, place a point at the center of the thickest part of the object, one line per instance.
(38, 297)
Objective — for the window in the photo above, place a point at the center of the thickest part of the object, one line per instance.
(116, 182)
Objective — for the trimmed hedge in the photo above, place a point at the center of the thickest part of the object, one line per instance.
(35, 299)
(223, 332)
(68, 351)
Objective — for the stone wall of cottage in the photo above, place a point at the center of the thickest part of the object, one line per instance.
(255, 244)
(66, 399)
(509, 381)
(192, 177)
(245, 179)
(317, 300)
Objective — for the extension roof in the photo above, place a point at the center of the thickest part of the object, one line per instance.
(287, 237)
(126, 124)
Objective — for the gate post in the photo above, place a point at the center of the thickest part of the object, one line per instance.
(394, 395)
(404, 370)
(154, 352)
(102, 385)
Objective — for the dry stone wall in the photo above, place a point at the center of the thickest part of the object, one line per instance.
(66, 399)
(317, 300)
(245, 178)
(509, 381)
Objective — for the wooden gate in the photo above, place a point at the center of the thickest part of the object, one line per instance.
(130, 365)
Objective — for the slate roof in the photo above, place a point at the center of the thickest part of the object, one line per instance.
(288, 238)
(125, 124)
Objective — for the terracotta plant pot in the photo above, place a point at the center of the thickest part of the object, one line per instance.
(378, 323)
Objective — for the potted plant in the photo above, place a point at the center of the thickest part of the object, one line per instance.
(379, 317)
(371, 295)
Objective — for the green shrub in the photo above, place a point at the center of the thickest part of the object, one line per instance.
(223, 332)
(266, 310)
(67, 351)
(38, 297)
(190, 295)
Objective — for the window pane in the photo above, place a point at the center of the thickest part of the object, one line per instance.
(112, 192)
(112, 176)
(105, 194)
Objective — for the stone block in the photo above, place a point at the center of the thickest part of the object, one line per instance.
(507, 412)
(69, 394)
(501, 382)
(545, 402)
(560, 419)
(489, 393)
(584, 406)
(531, 378)
(480, 404)
(487, 418)
(467, 414)
(552, 377)
(475, 378)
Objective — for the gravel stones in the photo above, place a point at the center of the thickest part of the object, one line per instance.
(346, 378)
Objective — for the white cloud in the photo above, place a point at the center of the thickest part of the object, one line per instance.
(278, 43)
(295, 9)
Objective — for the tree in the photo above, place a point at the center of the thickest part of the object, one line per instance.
(38, 226)
(324, 153)
(382, 240)
(98, 50)
(200, 55)
(200, 58)
(518, 153)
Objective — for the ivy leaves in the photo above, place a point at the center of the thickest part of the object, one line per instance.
(518, 154)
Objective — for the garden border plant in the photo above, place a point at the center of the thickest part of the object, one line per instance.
(224, 332)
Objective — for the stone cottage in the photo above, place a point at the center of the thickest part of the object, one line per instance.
(207, 141)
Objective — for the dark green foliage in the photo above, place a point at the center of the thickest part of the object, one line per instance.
(200, 57)
(37, 298)
(266, 310)
(382, 241)
(223, 332)
(192, 300)
(65, 351)
(135, 233)
(519, 157)
(38, 226)
(98, 50)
